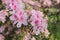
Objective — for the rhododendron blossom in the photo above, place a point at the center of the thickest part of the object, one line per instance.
(19, 17)
(38, 21)
(18, 14)
(16, 4)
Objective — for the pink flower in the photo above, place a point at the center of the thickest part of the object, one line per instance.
(1, 37)
(38, 21)
(20, 18)
(46, 33)
(18, 14)
(47, 2)
(16, 4)
(3, 15)
(37, 4)
(5, 1)
(36, 30)
(33, 38)
(2, 29)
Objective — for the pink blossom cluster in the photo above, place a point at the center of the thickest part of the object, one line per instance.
(19, 13)
(35, 3)
(19, 16)
(14, 5)
(44, 3)
(37, 20)
(30, 2)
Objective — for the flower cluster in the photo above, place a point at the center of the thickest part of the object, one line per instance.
(19, 13)
(19, 18)
(37, 20)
